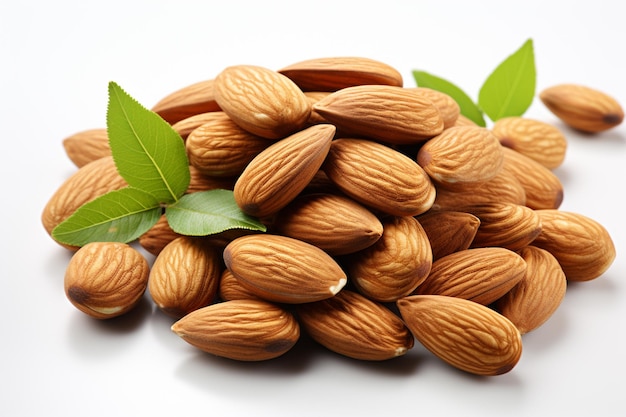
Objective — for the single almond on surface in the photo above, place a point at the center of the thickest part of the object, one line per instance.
(244, 330)
(449, 231)
(465, 334)
(188, 101)
(86, 146)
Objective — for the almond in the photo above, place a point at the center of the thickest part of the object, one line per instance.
(86, 146)
(185, 276)
(187, 125)
(106, 279)
(447, 106)
(449, 231)
(313, 97)
(363, 110)
(352, 325)
(202, 182)
(379, 177)
(537, 296)
(244, 330)
(230, 288)
(463, 120)
(158, 236)
(261, 101)
(396, 264)
(582, 107)
(537, 140)
(481, 275)
(280, 172)
(188, 101)
(334, 223)
(283, 269)
(465, 334)
(583, 247)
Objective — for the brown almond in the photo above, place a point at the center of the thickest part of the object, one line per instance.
(447, 106)
(86, 146)
(188, 101)
(158, 236)
(230, 288)
(187, 125)
(449, 231)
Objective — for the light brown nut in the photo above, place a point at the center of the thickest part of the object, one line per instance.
(313, 97)
(261, 101)
(158, 236)
(582, 107)
(185, 276)
(463, 120)
(396, 264)
(203, 182)
(583, 247)
(465, 334)
(537, 140)
(543, 189)
(481, 275)
(449, 231)
(379, 177)
(106, 279)
(280, 172)
(335, 73)
(389, 114)
(538, 295)
(220, 148)
(283, 269)
(334, 223)
(187, 125)
(243, 330)
(447, 106)
(86, 146)
(188, 101)
(352, 325)
(511, 226)
(461, 156)
(230, 288)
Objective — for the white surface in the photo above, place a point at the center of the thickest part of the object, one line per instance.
(58, 57)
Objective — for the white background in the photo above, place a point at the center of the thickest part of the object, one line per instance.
(57, 58)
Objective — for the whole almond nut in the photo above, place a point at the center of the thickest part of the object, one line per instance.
(313, 97)
(461, 156)
(463, 120)
(280, 172)
(396, 264)
(106, 279)
(354, 326)
(187, 125)
(86, 146)
(188, 101)
(158, 236)
(261, 101)
(465, 334)
(230, 288)
(481, 275)
(379, 177)
(583, 247)
(539, 141)
(202, 182)
(449, 231)
(582, 107)
(282, 269)
(185, 276)
(538, 295)
(447, 106)
(244, 330)
(363, 110)
(335, 73)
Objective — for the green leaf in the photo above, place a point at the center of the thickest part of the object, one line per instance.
(510, 88)
(468, 108)
(208, 212)
(117, 216)
(148, 153)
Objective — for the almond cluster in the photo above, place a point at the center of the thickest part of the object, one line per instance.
(391, 219)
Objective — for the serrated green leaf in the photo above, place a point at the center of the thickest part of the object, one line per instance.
(209, 212)
(468, 108)
(510, 88)
(117, 216)
(148, 153)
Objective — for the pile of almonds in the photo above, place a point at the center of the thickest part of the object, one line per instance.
(391, 218)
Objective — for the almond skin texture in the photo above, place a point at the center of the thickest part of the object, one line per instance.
(379, 177)
(262, 101)
(582, 107)
(396, 264)
(185, 276)
(449, 231)
(158, 236)
(465, 334)
(335, 73)
(363, 110)
(187, 125)
(583, 247)
(539, 141)
(283, 269)
(86, 146)
(537, 296)
(333, 223)
(106, 279)
(481, 275)
(461, 156)
(355, 326)
(447, 106)
(231, 289)
(188, 101)
(243, 330)
(280, 172)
